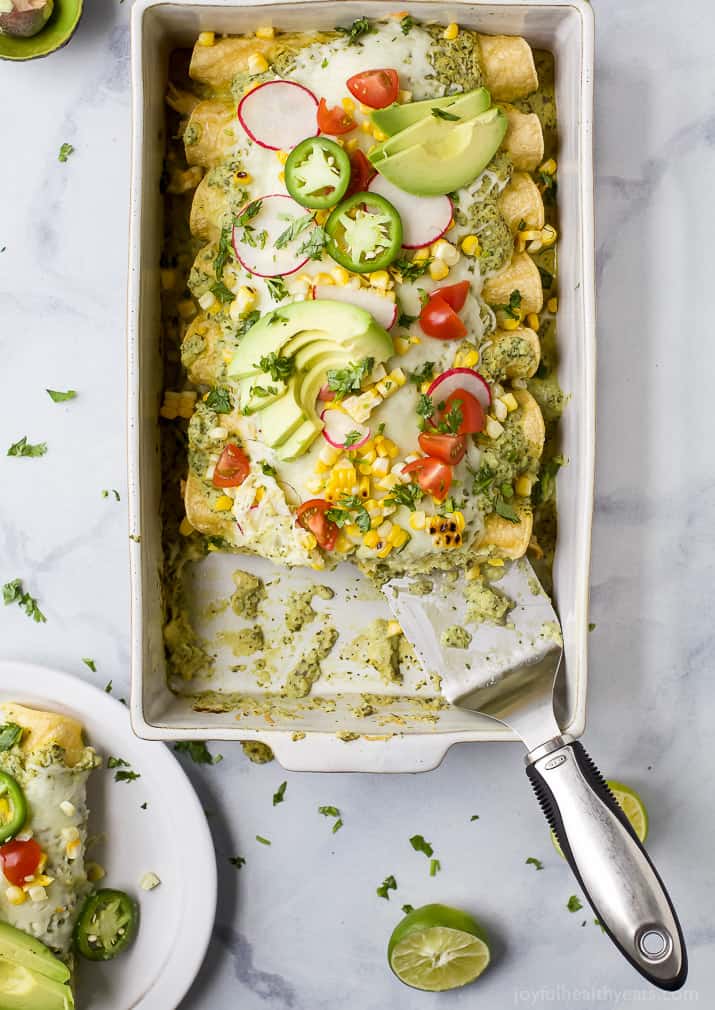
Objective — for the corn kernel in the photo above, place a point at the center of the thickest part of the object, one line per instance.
(471, 358)
(380, 279)
(267, 32)
(206, 38)
(242, 178)
(402, 346)
(549, 167)
(324, 278)
(532, 320)
(282, 176)
(364, 487)
(438, 270)
(366, 126)
(223, 503)
(418, 520)
(282, 156)
(257, 64)
(470, 245)
(499, 410)
(393, 628)
(340, 275)
(318, 565)
(458, 517)
(15, 895)
(185, 527)
(445, 251)
(207, 299)
(510, 402)
(398, 537)
(451, 31)
(493, 428)
(342, 544)
(511, 324)
(379, 134)
(496, 562)
(348, 104)
(524, 485)
(384, 551)
(320, 466)
(371, 539)
(553, 305)
(404, 96)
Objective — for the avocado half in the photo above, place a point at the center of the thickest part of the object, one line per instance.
(53, 35)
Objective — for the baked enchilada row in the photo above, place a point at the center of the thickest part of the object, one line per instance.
(366, 301)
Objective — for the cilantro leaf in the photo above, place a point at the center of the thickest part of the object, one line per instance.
(24, 448)
(406, 23)
(65, 151)
(278, 367)
(268, 470)
(106, 493)
(295, 227)
(547, 279)
(277, 288)
(113, 762)
(90, 663)
(425, 373)
(237, 861)
(505, 510)
(225, 251)
(425, 406)
(349, 379)
(533, 861)
(58, 397)
(329, 811)
(338, 825)
(108, 687)
(359, 27)
(405, 319)
(573, 904)
(198, 752)
(222, 293)
(249, 212)
(408, 495)
(279, 794)
(123, 776)
(314, 244)
(408, 908)
(434, 867)
(12, 592)
(10, 733)
(351, 438)
(474, 817)
(545, 489)
(262, 840)
(419, 844)
(219, 399)
(512, 309)
(443, 114)
(388, 884)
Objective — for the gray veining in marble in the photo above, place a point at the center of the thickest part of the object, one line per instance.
(300, 926)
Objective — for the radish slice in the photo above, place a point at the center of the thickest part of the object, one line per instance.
(424, 218)
(461, 378)
(382, 309)
(279, 114)
(337, 427)
(274, 216)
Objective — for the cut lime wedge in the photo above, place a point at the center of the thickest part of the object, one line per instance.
(632, 806)
(435, 948)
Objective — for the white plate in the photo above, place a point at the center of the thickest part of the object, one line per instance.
(171, 838)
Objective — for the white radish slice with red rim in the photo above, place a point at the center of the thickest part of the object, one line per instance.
(279, 114)
(424, 218)
(382, 309)
(340, 429)
(460, 378)
(255, 241)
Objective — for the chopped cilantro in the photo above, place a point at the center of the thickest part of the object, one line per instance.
(263, 391)
(338, 825)
(268, 470)
(443, 114)
(388, 884)
(90, 663)
(573, 904)
(12, 592)
(409, 269)
(406, 23)
(279, 794)
(351, 438)
(65, 151)
(512, 309)
(324, 62)
(591, 626)
(106, 493)
(277, 288)
(222, 293)
(425, 373)
(295, 227)
(314, 244)
(359, 27)
(262, 840)
(533, 861)
(451, 421)
(108, 687)
(425, 406)
(198, 752)
(10, 733)
(219, 399)
(549, 188)
(329, 811)
(279, 368)
(547, 279)
(58, 397)
(545, 490)
(349, 379)
(144, 806)
(113, 762)
(123, 776)
(408, 908)
(405, 319)
(237, 861)
(247, 322)
(249, 212)
(474, 817)
(505, 510)
(419, 844)
(24, 448)
(434, 867)
(405, 494)
(225, 251)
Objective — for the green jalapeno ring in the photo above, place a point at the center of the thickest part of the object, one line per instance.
(106, 925)
(11, 791)
(333, 191)
(337, 247)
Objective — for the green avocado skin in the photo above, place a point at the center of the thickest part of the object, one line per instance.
(58, 20)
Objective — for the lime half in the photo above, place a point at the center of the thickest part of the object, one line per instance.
(632, 806)
(436, 948)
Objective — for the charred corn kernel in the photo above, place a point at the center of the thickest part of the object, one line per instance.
(366, 126)
(324, 278)
(493, 428)
(402, 346)
(364, 487)
(257, 64)
(282, 156)
(510, 401)
(549, 167)
(242, 178)
(186, 308)
(185, 527)
(496, 562)
(371, 539)
(267, 32)
(380, 279)
(342, 544)
(458, 517)
(451, 31)
(473, 572)
(340, 275)
(511, 324)
(499, 410)
(548, 235)
(168, 279)
(379, 134)
(553, 305)
(445, 251)
(418, 520)
(524, 485)
(470, 245)
(206, 38)
(348, 104)
(310, 542)
(438, 270)
(393, 628)
(15, 895)
(532, 320)
(351, 145)
(398, 537)
(223, 503)
(421, 255)
(384, 551)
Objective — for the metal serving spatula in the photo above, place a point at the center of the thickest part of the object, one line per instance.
(508, 674)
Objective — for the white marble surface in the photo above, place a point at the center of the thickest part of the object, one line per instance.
(300, 927)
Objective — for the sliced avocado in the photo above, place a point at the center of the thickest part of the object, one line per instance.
(292, 326)
(52, 34)
(406, 117)
(300, 441)
(280, 419)
(307, 356)
(435, 169)
(252, 401)
(22, 989)
(23, 949)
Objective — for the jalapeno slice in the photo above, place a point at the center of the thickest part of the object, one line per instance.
(364, 233)
(317, 173)
(106, 925)
(13, 807)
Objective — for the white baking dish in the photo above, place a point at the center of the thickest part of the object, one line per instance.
(566, 28)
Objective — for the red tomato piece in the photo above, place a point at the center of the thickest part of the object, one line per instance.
(334, 121)
(455, 295)
(432, 475)
(438, 319)
(376, 88)
(311, 516)
(232, 468)
(449, 448)
(472, 411)
(361, 173)
(19, 860)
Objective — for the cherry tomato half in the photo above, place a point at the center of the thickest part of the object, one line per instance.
(455, 295)
(376, 88)
(232, 468)
(432, 475)
(361, 173)
(311, 516)
(472, 411)
(335, 120)
(449, 448)
(19, 860)
(438, 319)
